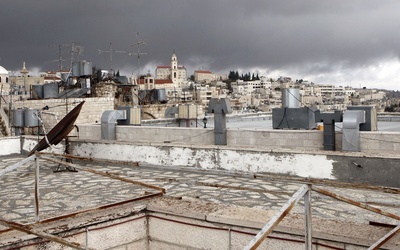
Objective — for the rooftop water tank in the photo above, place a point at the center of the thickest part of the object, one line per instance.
(160, 95)
(18, 117)
(291, 98)
(50, 90)
(37, 91)
(31, 118)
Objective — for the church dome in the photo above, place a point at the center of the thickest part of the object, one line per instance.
(3, 71)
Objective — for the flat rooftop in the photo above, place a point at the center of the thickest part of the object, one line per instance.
(68, 192)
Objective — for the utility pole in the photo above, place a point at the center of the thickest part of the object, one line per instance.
(138, 53)
(111, 52)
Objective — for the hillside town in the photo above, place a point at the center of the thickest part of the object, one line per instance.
(171, 84)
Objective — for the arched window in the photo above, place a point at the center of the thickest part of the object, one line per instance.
(6, 79)
(174, 74)
(0, 78)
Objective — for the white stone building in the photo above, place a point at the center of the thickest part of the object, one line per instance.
(204, 76)
(4, 81)
(174, 72)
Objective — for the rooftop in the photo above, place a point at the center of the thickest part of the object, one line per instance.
(227, 196)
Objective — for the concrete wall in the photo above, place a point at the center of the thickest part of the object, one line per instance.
(308, 140)
(126, 233)
(348, 167)
(166, 231)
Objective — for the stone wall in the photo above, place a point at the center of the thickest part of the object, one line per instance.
(91, 111)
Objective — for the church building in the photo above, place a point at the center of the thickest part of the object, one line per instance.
(174, 72)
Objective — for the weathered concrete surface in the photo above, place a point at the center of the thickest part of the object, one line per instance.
(369, 170)
(374, 169)
(219, 199)
(350, 167)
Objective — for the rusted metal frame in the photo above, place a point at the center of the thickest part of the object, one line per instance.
(238, 188)
(103, 174)
(37, 218)
(101, 207)
(307, 211)
(332, 183)
(17, 165)
(385, 238)
(274, 221)
(29, 229)
(83, 158)
(355, 203)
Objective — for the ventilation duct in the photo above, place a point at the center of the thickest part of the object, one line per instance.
(108, 123)
(351, 129)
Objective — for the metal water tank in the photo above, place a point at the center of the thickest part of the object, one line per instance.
(160, 95)
(85, 68)
(50, 90)
(76, 69)
(37, 91)
(290, 98)
(18, 118)
(31, 118)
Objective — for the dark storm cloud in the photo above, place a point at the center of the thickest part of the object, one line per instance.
(318, 39)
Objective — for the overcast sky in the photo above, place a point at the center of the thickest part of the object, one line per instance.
(353, 43)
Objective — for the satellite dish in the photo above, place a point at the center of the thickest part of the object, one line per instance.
(60, 131)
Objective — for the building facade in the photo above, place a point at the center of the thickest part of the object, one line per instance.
(174, 72)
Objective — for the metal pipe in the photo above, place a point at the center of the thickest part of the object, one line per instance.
(385, 238)
(307, 208)
(274, 221)
(84, 158)
(37, 218)
(355, 203)
(104, 174)
(32, 230)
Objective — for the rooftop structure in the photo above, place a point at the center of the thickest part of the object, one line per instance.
(153, 188)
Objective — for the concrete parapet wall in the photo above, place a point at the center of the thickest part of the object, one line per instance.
(272, 139)
(382, 142)
(308, 140)
(347, 167)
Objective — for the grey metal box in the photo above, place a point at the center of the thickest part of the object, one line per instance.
(293, 118)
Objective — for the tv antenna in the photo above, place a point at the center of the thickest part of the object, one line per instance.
(111, 52)
(138, 53)
(60, 51)
(76, 51)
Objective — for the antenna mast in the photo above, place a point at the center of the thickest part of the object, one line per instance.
(138, 53)
(60, 58)
(111, 51)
